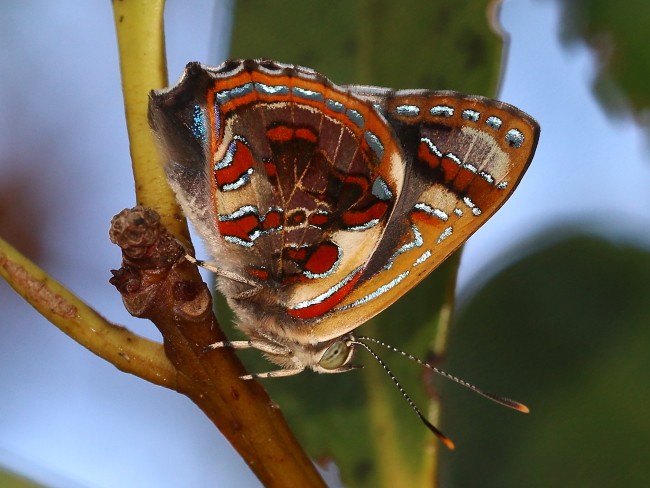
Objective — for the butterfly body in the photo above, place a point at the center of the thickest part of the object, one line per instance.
(323, 204)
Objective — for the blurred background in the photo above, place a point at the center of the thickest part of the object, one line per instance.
(554, 292)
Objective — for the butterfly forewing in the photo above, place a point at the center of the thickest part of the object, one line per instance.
(464, 157)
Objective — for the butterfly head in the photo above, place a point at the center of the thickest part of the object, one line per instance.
(336, 356)
(295, 354)
(332, 356)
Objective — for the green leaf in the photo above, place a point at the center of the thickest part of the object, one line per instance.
(565, 330)
(445, 44)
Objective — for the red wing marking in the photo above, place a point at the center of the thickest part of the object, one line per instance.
(297, 254)
(318, 219)
(448, 164)
(325, 302)
(282, 133)
(479, 190)
(260, 273)
(360, 181)
(317, 261)
(363, 219)
(306, 134)
(272, 220)
(240, 228)
(234, 170)
(462, 180)
(424, 214)
(425, 154)
(450, 169)
(271, 169)
(323, 261)
(245, 225)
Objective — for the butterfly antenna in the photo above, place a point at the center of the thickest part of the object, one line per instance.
(506, 402)
(443, 438)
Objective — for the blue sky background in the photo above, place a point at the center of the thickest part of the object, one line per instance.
(68, 418)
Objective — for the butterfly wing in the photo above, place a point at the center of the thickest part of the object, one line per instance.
(464, 157)
(333, 200)
(288, 178)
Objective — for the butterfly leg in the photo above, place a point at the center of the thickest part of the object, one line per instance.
(273, 374)
(230, 344)
(264, 346)
(255, 287)
(271, 348)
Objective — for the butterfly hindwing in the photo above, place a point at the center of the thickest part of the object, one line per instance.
(301, 181)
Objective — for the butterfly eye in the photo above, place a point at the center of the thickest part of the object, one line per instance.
(335, 355)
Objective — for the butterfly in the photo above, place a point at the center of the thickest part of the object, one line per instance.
(322, 204)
